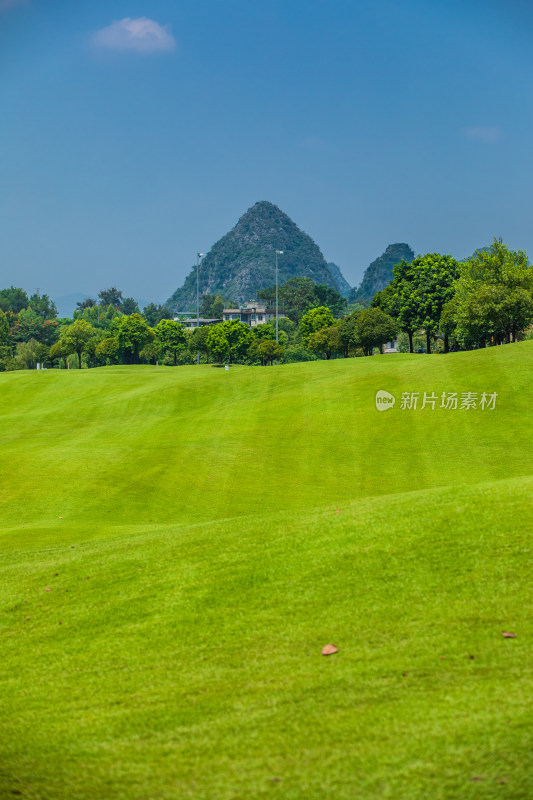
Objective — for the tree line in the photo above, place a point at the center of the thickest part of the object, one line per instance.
(432, 304)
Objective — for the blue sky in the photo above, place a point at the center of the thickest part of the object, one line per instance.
(134, 134)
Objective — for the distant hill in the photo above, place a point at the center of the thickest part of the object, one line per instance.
(243, 261)
(342, 283)
(379, 273)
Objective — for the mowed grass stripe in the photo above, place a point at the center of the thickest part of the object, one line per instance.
(132, 445)
(187, 661)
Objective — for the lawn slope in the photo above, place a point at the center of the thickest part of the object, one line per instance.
(186, 663)
(178, 545)
(86, 450)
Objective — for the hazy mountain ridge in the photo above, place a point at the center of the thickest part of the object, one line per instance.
(379, 273)
(342, 283)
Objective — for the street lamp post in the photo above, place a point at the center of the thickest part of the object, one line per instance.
(199, 257)
(278, 253)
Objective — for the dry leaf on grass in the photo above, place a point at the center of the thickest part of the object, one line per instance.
(507, 635)
(329, 650)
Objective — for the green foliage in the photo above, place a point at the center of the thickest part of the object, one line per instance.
(77, 337)
(13, 299)
(212, 306)
(43, 306)
(29, 353)
(418, 293)
(132, 334)
(239, 336)
(155, 313)
(60, 351)
(5, 338)
(129, 306)
(373, 328)
(217, 342)
(110, 297)
(171, 337)
(347, 336)
(314, 320)
(198, 341)
(98, 316)
(296, 352)
(494, 296)
(108, 350)
(298, 295)
(87, 303)
(325, 341)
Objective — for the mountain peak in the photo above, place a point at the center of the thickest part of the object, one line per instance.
(243, 261)
(379, 273)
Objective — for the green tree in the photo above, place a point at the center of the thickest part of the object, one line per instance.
(266, 351)
(348, 340)
(239, 336)
(13, 299)
(217, 342)
(76, 337)
(28, 326)
(43, 306)
(494, 295)
(155, 313)
(108, 350)
(5, 338)
(212, 306)
(432, 277)
(98, 316)
(129, 306)
(314, 320)
(5, 342)
(132, 334)
(28, 353)
(111, 297)
(87, 303)
(198, 341)
(374, 328)
(325, 341)
(171, 337)
(399, 300)
(59, 351)
(326, 296)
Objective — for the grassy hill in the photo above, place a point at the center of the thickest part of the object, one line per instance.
(178, 545)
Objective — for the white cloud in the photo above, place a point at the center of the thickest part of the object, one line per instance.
(140, 35)
(488, 133)
(5, 4)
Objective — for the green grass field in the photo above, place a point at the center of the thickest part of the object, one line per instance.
(178, 545)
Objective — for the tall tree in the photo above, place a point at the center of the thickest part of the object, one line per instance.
(43, 306)
(199, 339)
(129, 306)
(373, 328)
(13, 299)
(494, 295)
(171, 337)
(155, 313)
(76, 337)
(132, 334)
(239, 336)
(212, 306)
(111, 297)
(325, 341)
(315, 319)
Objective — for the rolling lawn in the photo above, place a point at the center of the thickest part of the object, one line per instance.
(177, 546)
